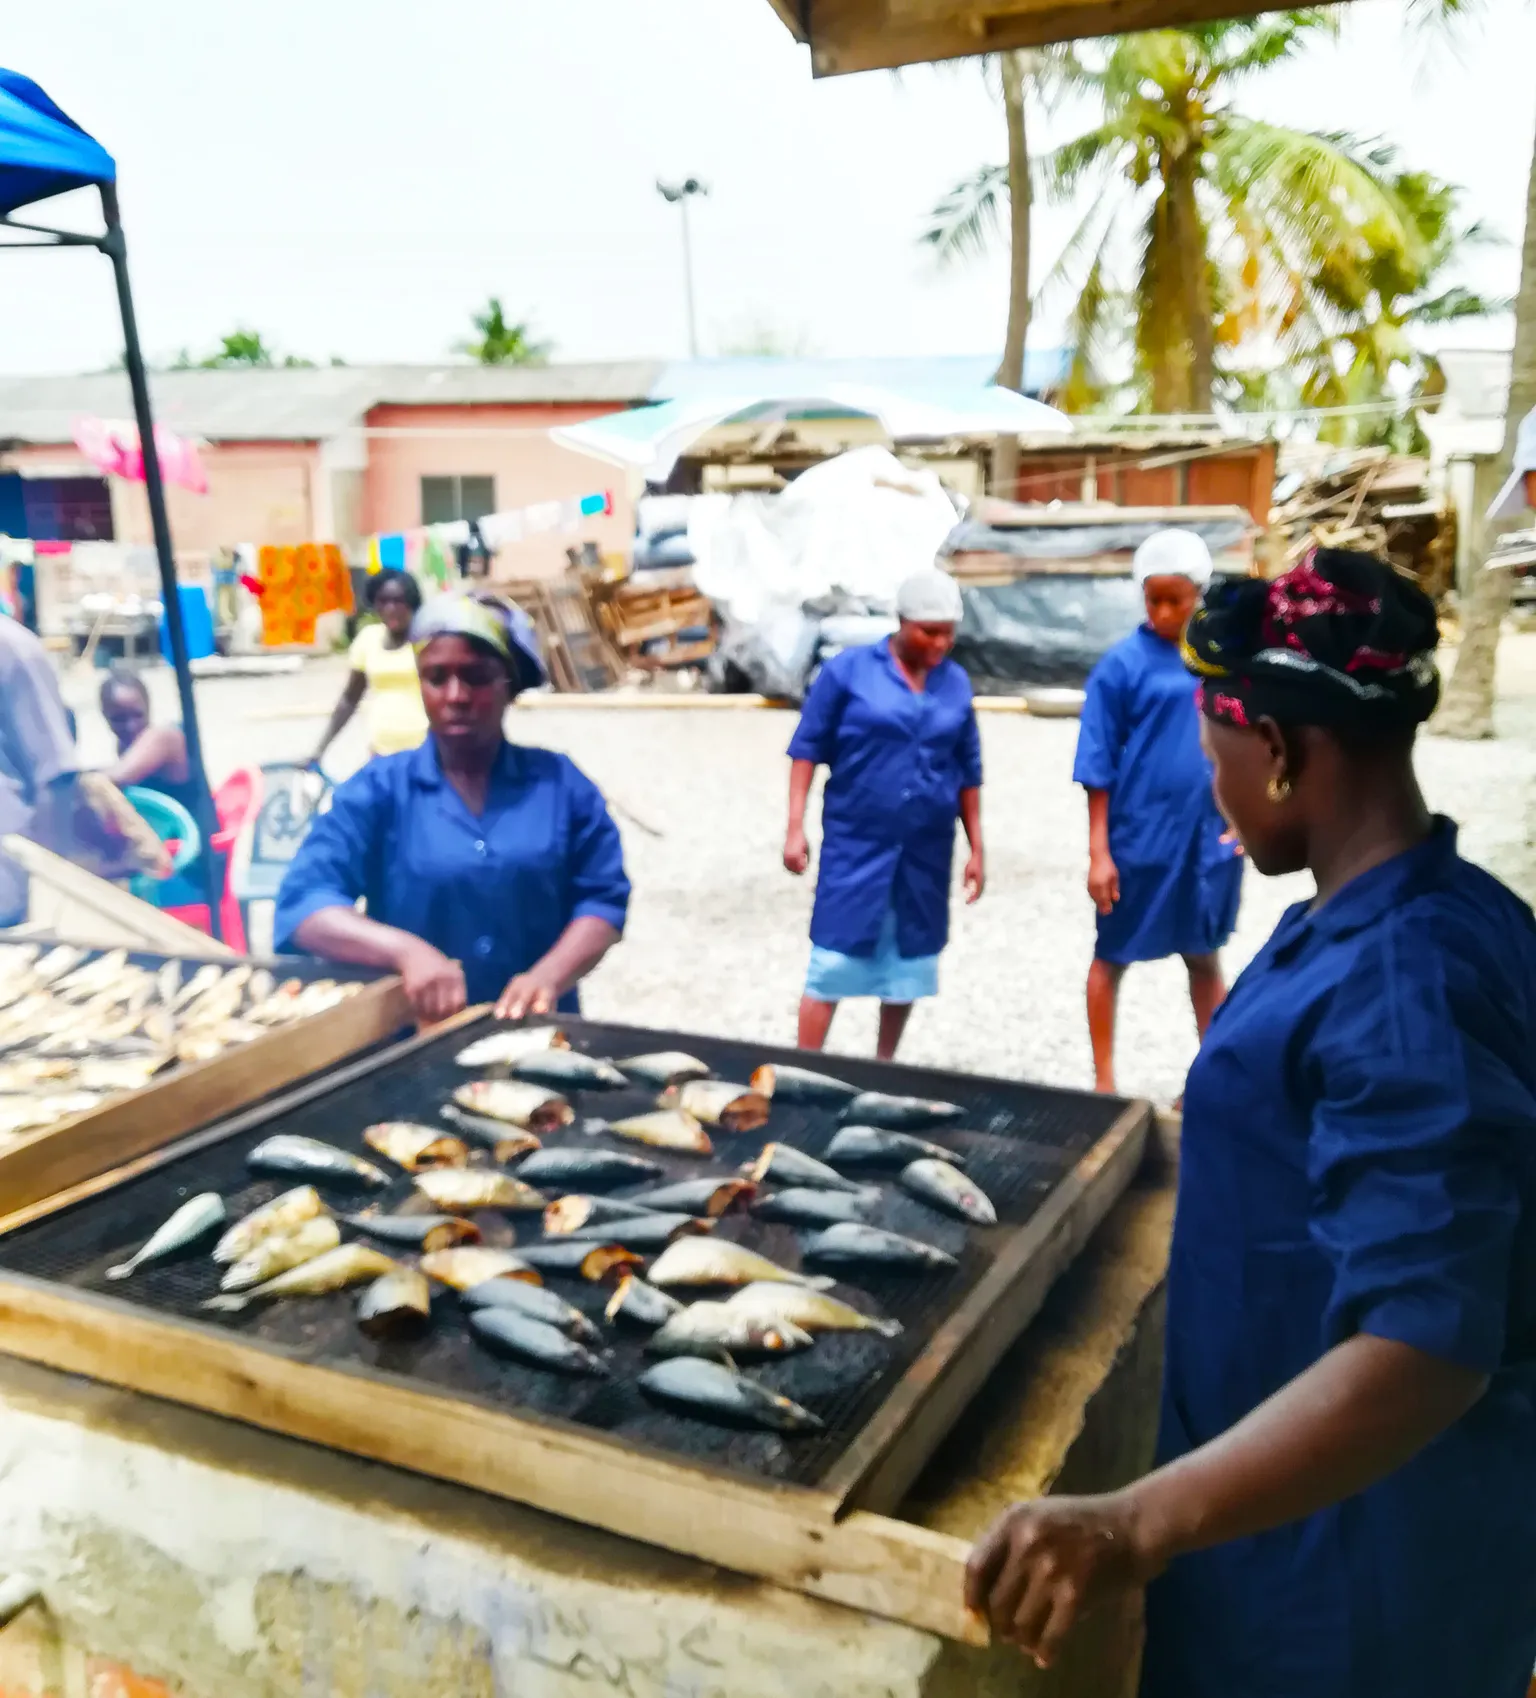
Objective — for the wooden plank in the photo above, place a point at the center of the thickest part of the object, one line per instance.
(884, 1459)
(228, 1126)
(56, 1157)
(785, 1535)
(158, 930)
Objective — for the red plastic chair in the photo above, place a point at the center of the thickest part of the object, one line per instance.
(237, 801)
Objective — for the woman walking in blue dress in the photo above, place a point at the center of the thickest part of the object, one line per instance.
(1162, 871)
(1344, 1505)
(894, 724)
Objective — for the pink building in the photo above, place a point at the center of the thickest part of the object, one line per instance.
(329, 455)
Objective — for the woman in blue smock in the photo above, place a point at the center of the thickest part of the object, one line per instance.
(894, 723)
(491, 872)
(1346, 1502)
(1161, 871)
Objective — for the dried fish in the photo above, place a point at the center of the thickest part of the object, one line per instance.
(786, 1165)
(348, 1264)
(460, 1190)
(528, 1106)
(416, 1232)
(570, 1214)
(800, 1085)
(640, 1303)
(647, 1233)
(536, 1301)
(308, 1158)
(709, 1196)
(875, 1146)
(203, 980)
(398, 1304)
(720, 1333)
(579, 1258)
(712, 1392)
(505, 1142)
(589, 1170)
(666, 1129)
(500, 1049)
(473, 1264)
(806, 1205)
(511, 1334)
(733, 1108)
(415, 1147)
(718, 1261)
(815, 1311)
(271, 1220)
(569, 1070)
(853, 1245)
(195, 1219)
(945, 1187)
(669, 1067)
(277, 1254)
(56, 963)
(899, 1114)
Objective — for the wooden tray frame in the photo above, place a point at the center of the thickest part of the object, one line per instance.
(831, 1542)
(60, 1156)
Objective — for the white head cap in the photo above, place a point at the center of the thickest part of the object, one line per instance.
(930, 597)
(1173, 553)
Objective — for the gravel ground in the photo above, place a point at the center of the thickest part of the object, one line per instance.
(717, 939)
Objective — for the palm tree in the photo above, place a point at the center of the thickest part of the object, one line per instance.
(500, 343)
(241, 348)
(1216, 213)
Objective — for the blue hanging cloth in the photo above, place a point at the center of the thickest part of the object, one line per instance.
(43, 152)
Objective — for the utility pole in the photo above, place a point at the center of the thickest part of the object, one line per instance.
(678, 195)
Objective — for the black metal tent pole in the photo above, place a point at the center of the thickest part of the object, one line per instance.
(114, 244)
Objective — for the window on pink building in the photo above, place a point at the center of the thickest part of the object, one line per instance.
(445, 499)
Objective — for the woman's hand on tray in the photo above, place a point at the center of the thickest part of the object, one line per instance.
(528, 993)
(433, 983)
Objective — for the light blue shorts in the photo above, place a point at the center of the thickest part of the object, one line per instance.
(887, 974)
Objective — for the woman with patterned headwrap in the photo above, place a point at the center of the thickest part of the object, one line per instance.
(1344, 1502)
(491, 872)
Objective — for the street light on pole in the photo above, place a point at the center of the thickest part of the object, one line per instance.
(678, 195)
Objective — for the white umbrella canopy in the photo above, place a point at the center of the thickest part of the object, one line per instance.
(652, 439)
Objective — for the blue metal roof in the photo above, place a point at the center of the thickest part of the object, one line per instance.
(932, 378)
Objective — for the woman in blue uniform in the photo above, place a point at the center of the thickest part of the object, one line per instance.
(1161, 872)
(492, 872)
(1346, 1502)
(894, 724)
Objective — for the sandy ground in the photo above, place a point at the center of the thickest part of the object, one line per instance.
(718, 931)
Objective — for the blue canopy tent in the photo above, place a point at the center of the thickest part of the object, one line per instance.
(43, 152)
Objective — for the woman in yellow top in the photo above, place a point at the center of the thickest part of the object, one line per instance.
(384, 669)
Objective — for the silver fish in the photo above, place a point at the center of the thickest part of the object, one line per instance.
(900, 1114)
(640, 1303)
(500, 1049)
(512, 1334)
(709, 1196)
(789, 1166)
(536, 1301)
(647, 1232)
(665, 1068)
(587, 1170)
(712, 1392)
(717, 1261)
(800, 1085)
(505, 1142)
(416, 1232)
(945, 1187)
(805, 1205)
(195, 1219)
(569, 1070)
(396, 1304)
(854, 1245)
(877, 1146)
(720, 1333)
(570, 1214)
(815, 1311)
(307, 1158)
(579, 1258)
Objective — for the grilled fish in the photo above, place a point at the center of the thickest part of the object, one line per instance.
(640, 1303)
(789, 1166)
(538, 1302)
(899, 1114)
(666, 1068)
(666, 1129)
(717, 1261)
(499, 1049)
(272, 1220)
(800, 1085)
(276, 1255)
(505, 1142)
(875, 1146)
(474, 1264)
(852, 1245)
(195, 1219)
(416, 1232)
(580, 1258)
(348, 1264)
(529, 1340)
(815, 1311)
(569, 1070)
(307, 1158)
(415, 1147)
(945, 1187)
(733, 1108)
(460, 1190)
(709, 1196)
(529, 1106)
(396, 1305)
(570, 1214)
(719, 1333)
(647, 1233)
(713, 1392)
(587, 1170)
(56, 963)
(202, 981)
(804, 1205)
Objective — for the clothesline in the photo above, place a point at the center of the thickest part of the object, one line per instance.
(423, 550)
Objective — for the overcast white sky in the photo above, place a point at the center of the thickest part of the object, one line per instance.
(353, 177)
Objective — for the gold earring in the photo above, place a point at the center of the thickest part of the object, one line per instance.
(1279, 789)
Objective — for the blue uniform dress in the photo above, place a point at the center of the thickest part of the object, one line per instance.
(898, 759)
(1140, 740)
(493, 892)
(1359, 1155)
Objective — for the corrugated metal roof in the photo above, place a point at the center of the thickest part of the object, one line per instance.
(235, 404)
(915, 376)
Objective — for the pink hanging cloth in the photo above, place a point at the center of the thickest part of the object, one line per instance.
(112, 447)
